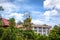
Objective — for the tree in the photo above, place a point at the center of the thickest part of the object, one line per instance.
(12, 22)
(28, 34)
(1, 23)
(1, 9)
(1, 31)
(9, 34)
(27, 22)
(43, 37)
(55, 33)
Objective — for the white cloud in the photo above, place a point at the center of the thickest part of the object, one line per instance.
(50, 13)
(27, 7)
(50, 4)
(36, 14)
(4, 1)
(20, 0)
(10, 10)
(37, 21)
(17, 16)
(0, 1)
(9, 7)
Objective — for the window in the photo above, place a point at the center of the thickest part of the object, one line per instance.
(44, 30)
(35, 30)
(40, 30)
(35, 27)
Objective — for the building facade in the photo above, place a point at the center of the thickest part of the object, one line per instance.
(41, 29)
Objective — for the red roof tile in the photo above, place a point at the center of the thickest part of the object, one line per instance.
(5, 21)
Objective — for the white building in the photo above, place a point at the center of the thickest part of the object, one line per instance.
(41, 29)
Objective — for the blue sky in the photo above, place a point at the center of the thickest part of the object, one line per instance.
(41, 11)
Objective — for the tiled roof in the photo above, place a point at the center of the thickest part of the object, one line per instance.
(5, 21)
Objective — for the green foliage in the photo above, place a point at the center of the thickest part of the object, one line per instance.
(44, 37)
(27, 23)
(17, 34)
(40, 37)
(1, 23)
(12, 33)
(1, 31)
(9, 34)
(12, 22)
(27, 34)
(55, 33)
